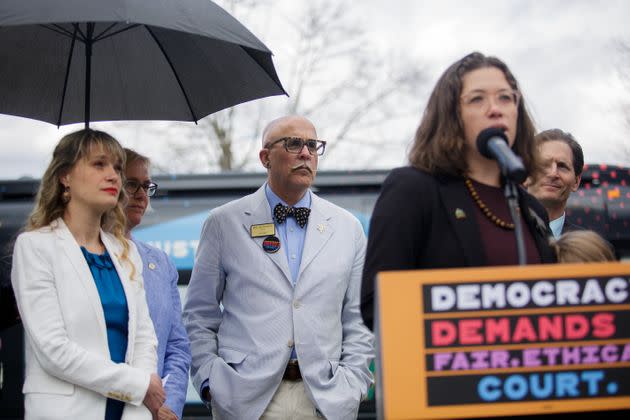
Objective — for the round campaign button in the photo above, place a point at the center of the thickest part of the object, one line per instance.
(271, 244)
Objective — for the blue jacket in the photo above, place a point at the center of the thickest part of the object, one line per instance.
(160, 283)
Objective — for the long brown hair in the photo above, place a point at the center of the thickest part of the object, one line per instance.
(439, 146)
(49, 202)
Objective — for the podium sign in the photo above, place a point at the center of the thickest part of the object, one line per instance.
(500, 341)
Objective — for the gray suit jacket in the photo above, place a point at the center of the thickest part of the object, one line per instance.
(243, 349)
(568, 225)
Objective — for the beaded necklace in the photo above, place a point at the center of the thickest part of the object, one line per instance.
(485, 210)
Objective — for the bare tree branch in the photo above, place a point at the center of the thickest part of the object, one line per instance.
(623, 70)
(334, 76)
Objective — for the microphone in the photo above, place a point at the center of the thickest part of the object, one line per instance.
(493, 144)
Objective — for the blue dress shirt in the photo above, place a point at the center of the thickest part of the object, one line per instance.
(116, 313)
(556, 226)
(291, 235)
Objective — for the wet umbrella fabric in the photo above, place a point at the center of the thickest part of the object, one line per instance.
(140, 60)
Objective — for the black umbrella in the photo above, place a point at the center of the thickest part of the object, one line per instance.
(67, 61)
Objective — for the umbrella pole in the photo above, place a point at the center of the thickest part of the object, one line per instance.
(88, 71)
(65, 80)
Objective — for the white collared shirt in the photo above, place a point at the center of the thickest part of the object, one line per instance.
(556, 226)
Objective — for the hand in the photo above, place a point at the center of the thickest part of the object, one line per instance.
(165, 413)
(205, 394)
(155, 396)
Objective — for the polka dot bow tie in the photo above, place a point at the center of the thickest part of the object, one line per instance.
(280, 213)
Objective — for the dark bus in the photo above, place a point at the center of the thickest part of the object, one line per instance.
(174, 221)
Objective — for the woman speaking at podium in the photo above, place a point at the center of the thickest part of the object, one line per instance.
(448, 208)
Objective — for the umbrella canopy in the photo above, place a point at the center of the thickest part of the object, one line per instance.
(68, 61)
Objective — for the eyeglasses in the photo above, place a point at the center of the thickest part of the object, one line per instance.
(481, 99)
(132, 187)
(295, 145)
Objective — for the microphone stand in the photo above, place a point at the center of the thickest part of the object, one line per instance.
(511, 194)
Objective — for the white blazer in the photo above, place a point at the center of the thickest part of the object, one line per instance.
(243, 350)
(69, 373)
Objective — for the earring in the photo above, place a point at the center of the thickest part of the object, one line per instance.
(65, 196)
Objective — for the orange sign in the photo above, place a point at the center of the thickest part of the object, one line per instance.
(501, 341)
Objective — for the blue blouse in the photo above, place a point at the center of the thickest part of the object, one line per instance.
(114, 304)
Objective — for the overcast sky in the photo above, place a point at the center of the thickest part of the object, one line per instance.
(564, 54)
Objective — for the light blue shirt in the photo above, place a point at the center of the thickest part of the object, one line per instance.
(291, 235)
(556, 226)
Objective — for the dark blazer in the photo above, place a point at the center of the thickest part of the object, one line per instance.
(414, 225)
(568, 225)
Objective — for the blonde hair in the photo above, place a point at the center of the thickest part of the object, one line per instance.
(582, 246)
(49, 202)
(132, 156)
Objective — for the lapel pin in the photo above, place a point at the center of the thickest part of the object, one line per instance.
(321, 228)
(271, 244)
(460, 214)
(151, 266)
(265, 229)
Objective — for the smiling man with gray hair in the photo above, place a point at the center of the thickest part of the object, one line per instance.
(286, 266)
(560, 174)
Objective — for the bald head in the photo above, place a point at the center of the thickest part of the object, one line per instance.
(280, 126)
(289, 173)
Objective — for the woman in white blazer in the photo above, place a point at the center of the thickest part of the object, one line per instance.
(89, 342)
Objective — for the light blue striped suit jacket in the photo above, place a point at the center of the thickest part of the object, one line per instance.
(160, 283)
(243, 350)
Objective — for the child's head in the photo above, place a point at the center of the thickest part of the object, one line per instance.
(582, 246)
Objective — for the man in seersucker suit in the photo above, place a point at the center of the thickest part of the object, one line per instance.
(286, 266)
